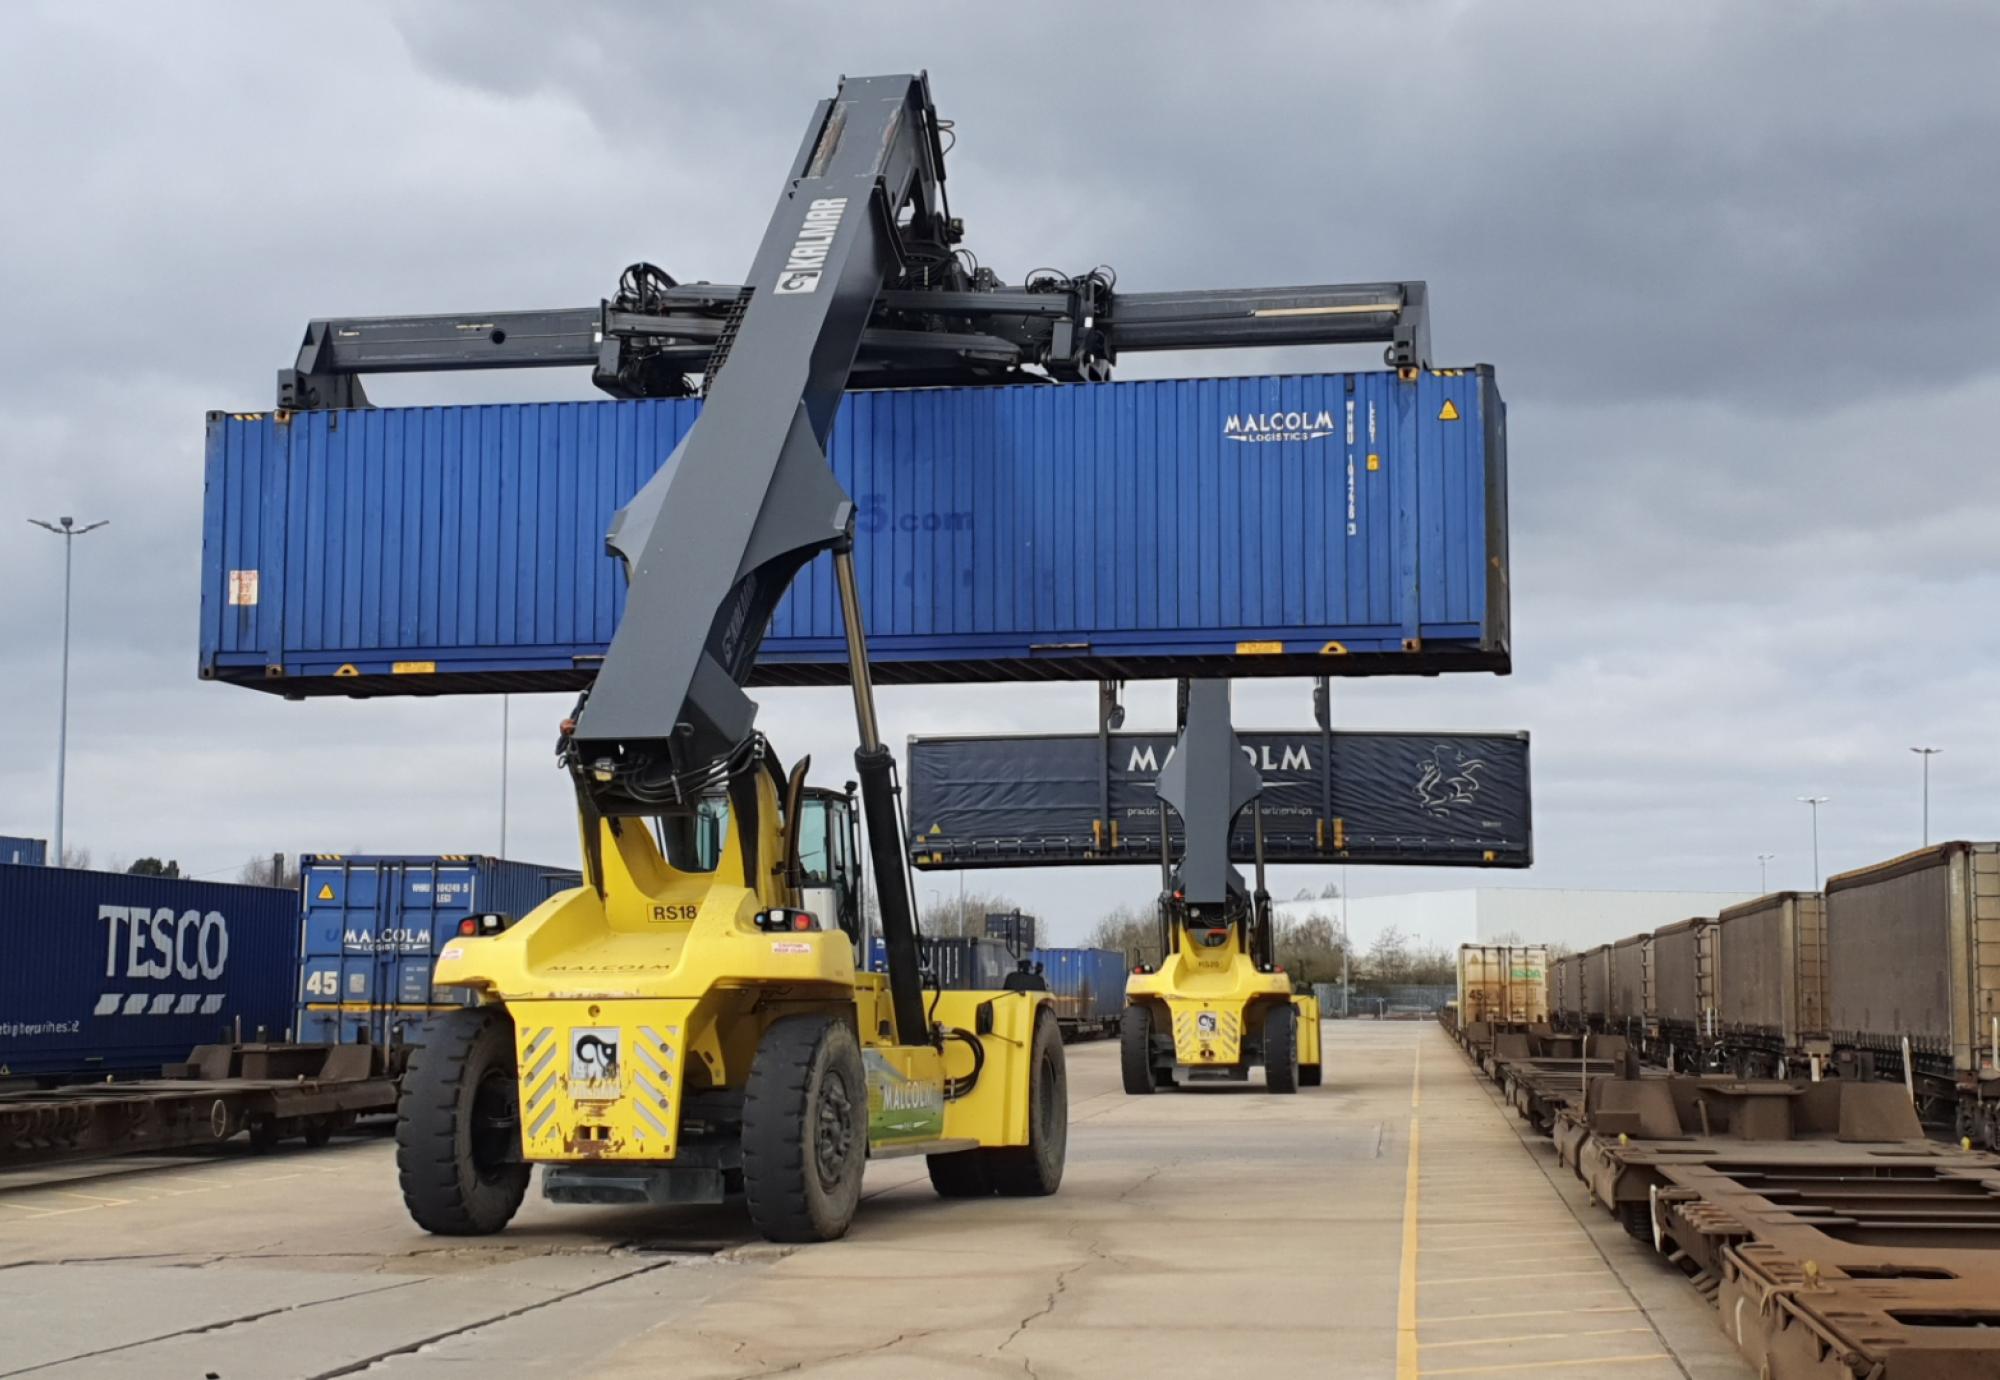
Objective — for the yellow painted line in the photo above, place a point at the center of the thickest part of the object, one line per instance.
(1531, 1313)
(1550, 1365)
(1406, 1288)
(1536, 1337)
(1510, 1278)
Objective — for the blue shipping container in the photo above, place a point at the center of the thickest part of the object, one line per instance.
(373, 926)
(105, 972)
(1351, 524)
(1087, 986)
(23, 852)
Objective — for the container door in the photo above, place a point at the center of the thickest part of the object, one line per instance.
(434, 899)
(338, 951)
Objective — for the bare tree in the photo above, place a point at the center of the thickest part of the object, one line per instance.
(952, 916)
(1309, 949)
(271, 869)
(1130, 930)
(76, 855)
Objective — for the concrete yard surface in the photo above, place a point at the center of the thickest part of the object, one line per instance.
(1392, 1223)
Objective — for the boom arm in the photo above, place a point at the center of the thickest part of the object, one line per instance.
(655, 336)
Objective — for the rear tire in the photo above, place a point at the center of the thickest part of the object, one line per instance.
(458, 1126)
(1135, 1050)
(805, 1130)
(1281, 1049)
(1035, 1170)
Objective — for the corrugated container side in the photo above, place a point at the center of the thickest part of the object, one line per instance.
(957, 965)
(1750, 993)
(1501, 982)
(1889, 951)
(1597, 981)
(23, 852)
(1627, 999)
(1077, 532)
(1808, 990)
(373, 925)
(109, 972)
(1677, 988)
(1913, 948)
(1086, 985)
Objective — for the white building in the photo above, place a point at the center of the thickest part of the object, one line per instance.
(1530, 915)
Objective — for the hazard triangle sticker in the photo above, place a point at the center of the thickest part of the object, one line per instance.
(325, 892)
(1449, 412)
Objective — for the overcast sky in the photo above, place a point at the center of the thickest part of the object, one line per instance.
(1736, 268)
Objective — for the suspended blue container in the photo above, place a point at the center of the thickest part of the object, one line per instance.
(1343, 524)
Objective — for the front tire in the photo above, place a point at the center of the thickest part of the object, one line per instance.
(1309, 1075)
(458, 1126)
(805, 1130)
(1035, 1170)
(1281, 1049)
(1135, 1050)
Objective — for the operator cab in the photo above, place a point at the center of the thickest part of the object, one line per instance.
(829, 853)
(829, 870)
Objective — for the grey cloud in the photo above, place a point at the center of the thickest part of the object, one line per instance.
(1732, 264)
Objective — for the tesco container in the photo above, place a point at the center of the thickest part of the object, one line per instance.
(1086, 987)
(1272, 525)
(23, 852)
(372, 928)
(106, 972)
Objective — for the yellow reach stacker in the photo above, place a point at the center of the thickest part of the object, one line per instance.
(694, 1020)
(1219, 1003)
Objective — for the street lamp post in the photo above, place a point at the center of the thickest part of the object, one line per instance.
(1763, 872)
(1927, 753)
(1815, 801)
(67, 529)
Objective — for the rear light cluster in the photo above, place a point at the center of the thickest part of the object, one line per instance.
(478, 926)
(782, 920)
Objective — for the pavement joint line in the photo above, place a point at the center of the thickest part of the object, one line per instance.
(1550, 1365)
(1511, 1241)
(1529, 1313)
(1534, 1337)
(1406, 1288)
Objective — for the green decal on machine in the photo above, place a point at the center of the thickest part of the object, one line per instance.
(900, 1108)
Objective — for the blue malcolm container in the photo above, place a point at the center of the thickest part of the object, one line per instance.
(373, 926)
(1344, 524)
(108, 973)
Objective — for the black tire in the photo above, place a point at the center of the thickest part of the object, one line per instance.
(264, 1136)
(1135, 1050)
(960, 1175)
(1309, 1075)
(1281, 1049)
(319, 1130)
(458, 1126)
(1035, 1170)
(805, 1130)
